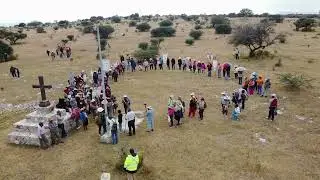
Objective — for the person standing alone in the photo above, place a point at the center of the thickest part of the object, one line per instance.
(130, 116)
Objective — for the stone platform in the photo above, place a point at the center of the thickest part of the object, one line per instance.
(25, 131)
(106, 138)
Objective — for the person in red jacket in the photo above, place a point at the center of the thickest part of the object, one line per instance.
(272, 107)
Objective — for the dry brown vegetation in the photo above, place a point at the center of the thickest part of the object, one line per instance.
(211, 149)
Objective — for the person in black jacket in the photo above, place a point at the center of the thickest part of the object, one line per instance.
(168, 63)
(173, 64)
(179, 63)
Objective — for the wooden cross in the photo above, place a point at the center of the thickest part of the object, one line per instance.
(42, 87)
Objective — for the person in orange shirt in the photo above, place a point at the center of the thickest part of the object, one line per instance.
(260, 85)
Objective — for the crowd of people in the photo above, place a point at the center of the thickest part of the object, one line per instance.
(62, 51)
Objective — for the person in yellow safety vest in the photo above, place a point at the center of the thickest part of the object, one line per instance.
(131, 164)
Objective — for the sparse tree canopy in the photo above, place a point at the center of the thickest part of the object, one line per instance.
(135, 16)
(143, 45)
(306, 24)
(163, 32)
(13, 37)
(105, 31)
(143, 27)
(254, 36)
(165, 23)
(22, 25)
(156, 42)
(245, 12)
(219, 20)
(40, 30)
(196, 34)
(116, 19)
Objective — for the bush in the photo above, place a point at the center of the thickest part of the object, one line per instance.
(40, 30)
(189, 41)
(223, 29)
(70, 37)
(143, 27)
(103, 44)
(165, 23)
(5, 51)
(197, 27)
(155, 42)
(196, 34)
(294, 81)
(87, 29)
(132, 23)
(22, 25)
(56, 28)
(306, 23)
(116, 19)
(219, 20)
(34, 24)
(143, 45)
(277, 18)
(64, 41)
(163, 32)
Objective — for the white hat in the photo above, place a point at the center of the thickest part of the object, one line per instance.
(93, 100)
(149, 107)
(104, 102)
(100, 109)
(125, 96)
(171, 96)
(273, 95)
(223, 93)
(192, 94)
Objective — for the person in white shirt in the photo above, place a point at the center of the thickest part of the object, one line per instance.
(130, 116)
(44, 143)
(235, 113)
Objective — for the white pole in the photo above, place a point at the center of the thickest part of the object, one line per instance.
(103, 73)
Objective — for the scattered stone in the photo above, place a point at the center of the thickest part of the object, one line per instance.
(262, 140)
(301, 118)
(279, 112)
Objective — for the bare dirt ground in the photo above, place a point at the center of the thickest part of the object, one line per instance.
(210, 149)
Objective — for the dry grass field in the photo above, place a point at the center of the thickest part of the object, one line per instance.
(210, 149)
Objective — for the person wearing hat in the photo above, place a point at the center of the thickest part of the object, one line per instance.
(101, 121)
(273, 106)
(150, 119)
(225, 102)
(192, 105)
(93, 108)
(126, 103)
(131, 164)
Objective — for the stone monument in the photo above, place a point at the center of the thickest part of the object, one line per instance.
(25, 131)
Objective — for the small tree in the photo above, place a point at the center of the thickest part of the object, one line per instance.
(105, 31)
(135, 16)
(282, 38)
(103, 44)
(163, 32)
(40, 30)
(56, 28)
(156, 42)
(223, 29)
(245, 12)
(254, 36)
(63, 23)
(219, 20)
(5, 51)
(116, 19)
(143, 27)
(165, 23)
(196, 34)
(306, 23)
(189, 41)
(145, 54)
(197, 27)
(132, 23)
(143, 45)
(13, 37)
(87, 29)
(70, 37)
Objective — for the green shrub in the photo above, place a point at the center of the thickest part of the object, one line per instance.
(132, 23)
(145, 54)
(103, 44)
(40, 30)
(13, 57)
(189, 41)
(87, 29)
(116, 19)
(294, 81)
(196, 34)
(223, 29)
(282, 38)
(197, 27)
(5, 51)
(70, 37)
(56, 28)
(165, 23)
(306, 24)
(163, 32)
(143, 27)
(156, 42)
(277, 18)
(143, 45)
(105, 31)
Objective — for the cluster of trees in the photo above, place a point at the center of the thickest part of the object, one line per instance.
(194, 35)
(12, 37)
(306, 24)
(104, 32)
(143, 27)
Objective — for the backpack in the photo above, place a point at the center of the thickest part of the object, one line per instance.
(114, 127)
